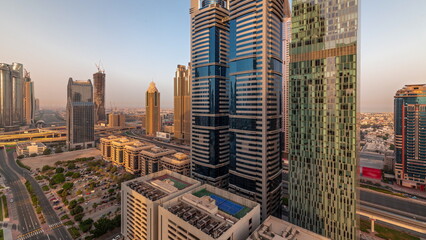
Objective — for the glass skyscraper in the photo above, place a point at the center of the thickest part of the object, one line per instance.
(210, 100)
(255, 80)
(410, 136)
(323, 117)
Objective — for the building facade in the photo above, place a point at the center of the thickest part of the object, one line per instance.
(11, 95)
(178, 163)
(208, 213)
(410, 136)
(29, 148)
(99, 96)
(182, 104)
(152, 115)
(106, 147)
(255, 79)
(116, 120)
(80, 115)
(324, 135)
(150, 159)
(132, 162)
(29, 99)
(210, 100)
(286, 79)
(141, 197)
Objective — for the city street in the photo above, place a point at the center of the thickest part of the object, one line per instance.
(27, 217)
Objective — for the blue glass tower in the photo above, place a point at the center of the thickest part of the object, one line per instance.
(255, 101)
(210, 101)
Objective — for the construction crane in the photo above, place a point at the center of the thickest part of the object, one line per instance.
(100, 69)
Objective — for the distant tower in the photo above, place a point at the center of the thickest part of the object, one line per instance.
(153, 120)
(29, 100)
(99, 95)
(18, 93)
(410, 136)
(182, 104)
(80, 115)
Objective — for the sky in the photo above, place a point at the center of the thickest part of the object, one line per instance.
(139, 41)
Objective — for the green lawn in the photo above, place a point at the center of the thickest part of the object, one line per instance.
(178, 185)
(382, 190)
(1, 234)
(1, 212)
(386, 233)
(6, 211)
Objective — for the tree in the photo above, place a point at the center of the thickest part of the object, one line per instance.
(21, 156)
(58, 178)
(45, 168)
(68, 186)
(79, 217)
(71, 165)
(72, 204)
(33, 155)
(60, 170)
(77, 210)
(47, 151)
(69, 174)
(80, 200)
(392, 147)
(58, 150)
(76, 175)
(86, 225)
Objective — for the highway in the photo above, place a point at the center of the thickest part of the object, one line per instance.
(59, 231)
(29, 225)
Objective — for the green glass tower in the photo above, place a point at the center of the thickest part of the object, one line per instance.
(323, 117)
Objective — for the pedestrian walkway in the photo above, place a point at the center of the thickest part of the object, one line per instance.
(7, 233)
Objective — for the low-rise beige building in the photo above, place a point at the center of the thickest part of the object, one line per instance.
(141, 197)
(178, 162)
(276, 229)
(117, 150)
(208, 213)
(131, 156)
(105, 147)
(150, 159)
(28, 148)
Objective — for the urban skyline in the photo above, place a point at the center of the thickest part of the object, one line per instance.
(58, 53)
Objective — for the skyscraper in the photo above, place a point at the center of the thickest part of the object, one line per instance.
(80, 115)
(256, 101)
(210, 100)
(152, 115)
(99, 95)
(286, 79)
(182, 103)
(29, 100)
(11, 95)
(410, 136)
(323, 117)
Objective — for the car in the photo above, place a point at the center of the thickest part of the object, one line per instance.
(58, 208)
(11, 200)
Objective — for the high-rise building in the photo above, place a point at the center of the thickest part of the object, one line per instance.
(116, 120)
(29, 100)
(210, 100)
(80, 115)
(152, 115)
(11, 95)
(410, 136)
(99, 96)
(286, 79)
(37, 104)
(141, 197)
(324, 138)
(255, 79)
(208, 213)
(182, 104)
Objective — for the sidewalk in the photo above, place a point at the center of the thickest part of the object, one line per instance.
(398, 188)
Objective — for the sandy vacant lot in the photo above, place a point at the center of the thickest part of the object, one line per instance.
(39, 162)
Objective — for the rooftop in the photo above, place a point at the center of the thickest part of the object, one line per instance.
(209, 210)
(157, 151)
(176, 159)
(159, 185)
(276, 229)
(27, 144)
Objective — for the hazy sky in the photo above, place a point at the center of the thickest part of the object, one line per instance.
(140, 41)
